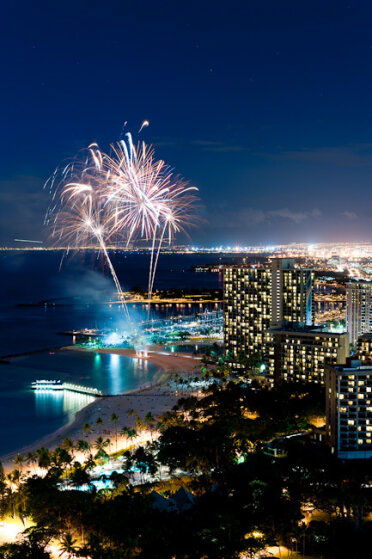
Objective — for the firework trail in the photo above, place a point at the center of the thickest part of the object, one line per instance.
(127, 194)
(122, 129)
(77, 215)
(144, 124)
(146, 198)
(180, 216)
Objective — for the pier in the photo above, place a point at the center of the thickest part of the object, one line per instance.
(57, 385)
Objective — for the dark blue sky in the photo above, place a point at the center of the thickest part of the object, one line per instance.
(266, 106)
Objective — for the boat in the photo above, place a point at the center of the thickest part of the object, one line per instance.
(43, 385)
(47, 385)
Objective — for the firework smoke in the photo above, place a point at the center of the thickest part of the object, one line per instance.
(120, 196)
(78, 217)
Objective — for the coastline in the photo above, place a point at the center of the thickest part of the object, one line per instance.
(156, 398)
(169, 361)
(5, 359)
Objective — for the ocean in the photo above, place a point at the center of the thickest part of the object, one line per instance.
(41, 298)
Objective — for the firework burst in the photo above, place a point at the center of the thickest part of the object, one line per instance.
(147, 199)
(78, 216)
(120, 196)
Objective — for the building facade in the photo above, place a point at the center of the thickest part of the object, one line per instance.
(247, 309)
(292, 293)
(298, 353)
(358, 309)
(257, 298)
(349, 410)
(364, 348)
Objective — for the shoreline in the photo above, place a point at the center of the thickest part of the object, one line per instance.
(49, 439)
(6, 359)
(155, 397)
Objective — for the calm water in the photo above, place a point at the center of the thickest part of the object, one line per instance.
(74, 297)
(26, 415)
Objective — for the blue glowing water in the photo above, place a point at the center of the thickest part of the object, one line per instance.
(26, 415)
(73, 298)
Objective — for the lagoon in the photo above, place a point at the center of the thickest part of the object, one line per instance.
(27, 415)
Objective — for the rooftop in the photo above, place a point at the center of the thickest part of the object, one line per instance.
(367, 336)
(353, 366)
(300, 328)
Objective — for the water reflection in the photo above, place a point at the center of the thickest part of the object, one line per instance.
(109, 373)
(73, 402)
(115, 376)
(51, 404)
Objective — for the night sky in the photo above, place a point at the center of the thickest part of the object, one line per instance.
(266, 106)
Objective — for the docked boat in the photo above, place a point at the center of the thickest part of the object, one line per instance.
(47, 385)
(43, 385)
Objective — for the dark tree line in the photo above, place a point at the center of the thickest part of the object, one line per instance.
(214, 445)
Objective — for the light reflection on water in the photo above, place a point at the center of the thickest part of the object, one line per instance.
(108, 372)
(27, 415)
(54, 404)
(114, 373)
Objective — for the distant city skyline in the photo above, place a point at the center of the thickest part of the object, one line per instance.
(264, 107)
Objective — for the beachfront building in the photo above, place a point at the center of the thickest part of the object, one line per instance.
(247, 308)
(257, 298)
(349, 410)
(358, 309)
(292, 293)
(300, 353)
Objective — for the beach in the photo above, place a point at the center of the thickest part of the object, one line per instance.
(156, 398)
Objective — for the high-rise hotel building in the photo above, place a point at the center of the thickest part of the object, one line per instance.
(349, 410)
(247, 309)
(292, 293)
(258, 298)
(298, 353)
(358, 309)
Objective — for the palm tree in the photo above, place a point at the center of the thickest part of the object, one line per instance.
(83, 446)
(150, 420)
(144, 461)
(79, 476)
(33, 543)
(140, 425)
(101, 444)
(99, 421)
(68, 546)
(15, 495)
(19, 460)
(114, 419)
(87, 428)
(61, 457)
(43, 458)
(124, 431)
(132, 434)
(128, 433)
(31, 458)
(89, 464)
(15, 478)
(69, 445)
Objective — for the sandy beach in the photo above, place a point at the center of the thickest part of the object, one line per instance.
(156, 398)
